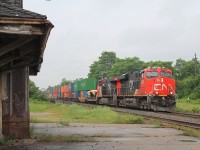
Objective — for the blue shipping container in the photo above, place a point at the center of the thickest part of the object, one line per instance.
(85, 93)
(76, 94)
(71, 87)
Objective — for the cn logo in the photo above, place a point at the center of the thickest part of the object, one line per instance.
(158, 87)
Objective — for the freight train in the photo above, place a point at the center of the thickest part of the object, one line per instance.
(152, 88)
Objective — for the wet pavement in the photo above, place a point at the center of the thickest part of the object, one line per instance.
(108, 137)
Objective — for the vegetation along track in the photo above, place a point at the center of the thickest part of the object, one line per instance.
(184, 119)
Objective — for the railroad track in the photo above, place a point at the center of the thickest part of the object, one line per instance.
(187, 120)
(192, 115)
(183, 119)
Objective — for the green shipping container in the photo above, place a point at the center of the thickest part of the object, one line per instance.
(91, 84)
(82, 85)
(76, 85)
(85, 84)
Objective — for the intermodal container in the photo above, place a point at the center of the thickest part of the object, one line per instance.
(71, 87)
(55, 93)
(76, 85)
(76, 94)
(59, 92)
(66, 92)
(71, 95)
(91, 84)
(65, 88)
(62, 93)
(82, 85)
(85, 94)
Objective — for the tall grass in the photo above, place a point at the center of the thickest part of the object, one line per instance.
(39, 106)
(64, 114)
(185, 105)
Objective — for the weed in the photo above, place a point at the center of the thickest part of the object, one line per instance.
(59, 138)
(157, 123)
(5, 140)
(64, 122)
(190, 132)
(196, 110)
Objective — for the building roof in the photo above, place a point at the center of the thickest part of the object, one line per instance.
(9, 10)
(23, 37)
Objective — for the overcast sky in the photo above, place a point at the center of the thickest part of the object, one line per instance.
(149, 29)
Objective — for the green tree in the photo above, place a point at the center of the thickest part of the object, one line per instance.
(65, 82)
(166, 64)
(127, 65)
(100, 68)
(187, 78)
(35, 93)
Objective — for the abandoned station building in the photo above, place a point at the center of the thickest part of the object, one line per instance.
(23, 38)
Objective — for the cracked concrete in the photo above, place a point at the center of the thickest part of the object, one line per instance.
(110, 136)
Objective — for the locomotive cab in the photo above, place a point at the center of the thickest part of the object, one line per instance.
(159, 86)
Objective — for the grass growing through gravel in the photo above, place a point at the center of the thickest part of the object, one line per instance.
(190, 106)
(64, 114)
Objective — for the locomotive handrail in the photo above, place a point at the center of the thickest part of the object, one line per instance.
(171, 88)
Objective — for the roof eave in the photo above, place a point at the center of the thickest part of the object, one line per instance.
(43, 45)
(10, 20)
(30, 21)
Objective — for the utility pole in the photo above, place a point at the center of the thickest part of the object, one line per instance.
(195, 67)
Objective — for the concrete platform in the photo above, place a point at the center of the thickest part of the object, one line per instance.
(110, 136)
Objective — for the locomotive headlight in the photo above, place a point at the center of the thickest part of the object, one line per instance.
(171, 93)
(157, 93)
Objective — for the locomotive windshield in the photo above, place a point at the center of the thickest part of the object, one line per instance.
(151, 74)
(166, 74)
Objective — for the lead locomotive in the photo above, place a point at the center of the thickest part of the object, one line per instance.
(152, 88)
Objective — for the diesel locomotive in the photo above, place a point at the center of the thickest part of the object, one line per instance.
(152, 88)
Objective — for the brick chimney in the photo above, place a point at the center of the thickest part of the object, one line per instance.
(17, 3)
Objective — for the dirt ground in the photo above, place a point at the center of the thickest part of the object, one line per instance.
(107, 137)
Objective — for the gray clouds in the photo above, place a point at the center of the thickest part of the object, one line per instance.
(148, 29)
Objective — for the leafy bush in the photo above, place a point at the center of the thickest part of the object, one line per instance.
(35, 93)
